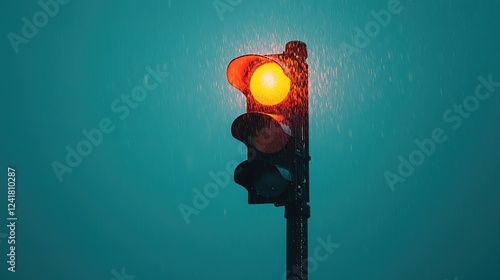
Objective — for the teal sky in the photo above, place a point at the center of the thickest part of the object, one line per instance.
(430, 72)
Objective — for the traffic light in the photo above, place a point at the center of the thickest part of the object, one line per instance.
(275, 126)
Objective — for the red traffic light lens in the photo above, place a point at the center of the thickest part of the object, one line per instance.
(271, 137)
(267, 133)
(269, 85)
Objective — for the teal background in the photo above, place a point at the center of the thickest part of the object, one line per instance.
(119, 208)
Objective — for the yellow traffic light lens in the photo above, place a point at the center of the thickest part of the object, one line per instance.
(269, 85)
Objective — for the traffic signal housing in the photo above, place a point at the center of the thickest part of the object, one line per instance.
(275, 126)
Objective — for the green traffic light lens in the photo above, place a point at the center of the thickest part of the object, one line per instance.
(272, 182)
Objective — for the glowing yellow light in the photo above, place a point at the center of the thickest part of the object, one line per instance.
(269, 85)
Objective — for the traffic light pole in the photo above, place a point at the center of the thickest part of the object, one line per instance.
(298, 211)
(296, 215)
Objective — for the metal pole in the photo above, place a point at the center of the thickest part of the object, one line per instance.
(296, 215)
(298, 211)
